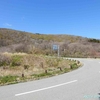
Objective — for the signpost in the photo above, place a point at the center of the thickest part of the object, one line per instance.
(56, 47)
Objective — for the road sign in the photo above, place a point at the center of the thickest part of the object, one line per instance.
(55, 47)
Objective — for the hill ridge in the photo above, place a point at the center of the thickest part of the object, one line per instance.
(37, 43)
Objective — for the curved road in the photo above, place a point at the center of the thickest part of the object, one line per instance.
(80, 84)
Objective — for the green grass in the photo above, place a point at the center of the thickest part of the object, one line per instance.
(8, 79)
(16, 60)
(52, 73)
(50, 67)
(74, 65)
(41, 75)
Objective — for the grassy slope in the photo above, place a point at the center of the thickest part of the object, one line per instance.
(75, 46)
(23, 67)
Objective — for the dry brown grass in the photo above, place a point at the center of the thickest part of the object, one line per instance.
(34, 64)
(7, 53)
(25, 67)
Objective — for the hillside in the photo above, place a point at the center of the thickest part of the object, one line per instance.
(36, 43)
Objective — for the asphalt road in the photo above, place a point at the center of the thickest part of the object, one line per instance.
(80, 84)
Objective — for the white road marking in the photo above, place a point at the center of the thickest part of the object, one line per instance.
(45, 88)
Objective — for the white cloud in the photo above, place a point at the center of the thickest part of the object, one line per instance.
(7, 24)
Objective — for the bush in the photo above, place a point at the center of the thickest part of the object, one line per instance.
(4, 60)
(16, 60)
(74, 66)
(66, 70)
(26, 48)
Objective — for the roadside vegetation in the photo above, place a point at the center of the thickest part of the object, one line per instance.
(13, 41)
(20, 67)
(28, 56)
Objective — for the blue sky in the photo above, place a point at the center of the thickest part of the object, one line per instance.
(75, 17)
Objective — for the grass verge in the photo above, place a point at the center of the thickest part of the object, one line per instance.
(23, 68)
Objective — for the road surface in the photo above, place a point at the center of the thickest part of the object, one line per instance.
(80, 84)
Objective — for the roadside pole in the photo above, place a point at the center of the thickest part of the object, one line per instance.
(58, 51)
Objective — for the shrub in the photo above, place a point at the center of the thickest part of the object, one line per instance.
(4, 60)
(23, 48)
(26, 66)
(66, 70)
(74, 65)
(16, 60)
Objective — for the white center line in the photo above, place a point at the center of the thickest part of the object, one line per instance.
(45, 88)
